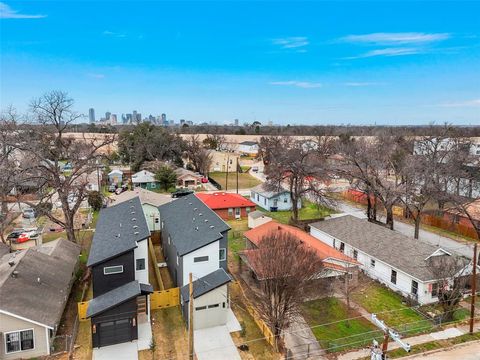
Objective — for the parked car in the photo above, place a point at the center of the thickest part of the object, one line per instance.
(181, 192)
(255, 168)
(112, 188)
(13, 236)
(28, 213)
(204, 180)
(27, 235)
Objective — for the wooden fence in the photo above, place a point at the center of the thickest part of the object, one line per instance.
(153, 259)
(165, 298)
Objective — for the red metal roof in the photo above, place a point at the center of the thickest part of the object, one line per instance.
(221, 200)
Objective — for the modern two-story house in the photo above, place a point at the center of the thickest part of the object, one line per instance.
(194, 240)
(119, 262)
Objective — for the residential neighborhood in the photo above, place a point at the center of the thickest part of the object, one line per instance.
(239, 180)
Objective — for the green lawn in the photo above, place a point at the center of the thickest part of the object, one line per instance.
(342, 334)
(245, 180)
(308, 211)
(236, 242)
(376, 298)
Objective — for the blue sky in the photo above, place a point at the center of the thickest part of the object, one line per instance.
(287, 62)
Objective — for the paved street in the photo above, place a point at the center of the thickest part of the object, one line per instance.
(469, 351)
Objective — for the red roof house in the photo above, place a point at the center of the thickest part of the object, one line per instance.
(226, 205)
(331, 258)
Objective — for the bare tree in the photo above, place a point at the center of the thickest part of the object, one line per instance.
(285, 266)
(452, 276)
(214, 141)
(46, 147)
(302, 166)
(199, 157)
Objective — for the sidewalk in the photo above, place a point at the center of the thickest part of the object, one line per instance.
(414, 340)
(299, 339)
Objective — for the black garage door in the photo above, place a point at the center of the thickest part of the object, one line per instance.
(114, 332)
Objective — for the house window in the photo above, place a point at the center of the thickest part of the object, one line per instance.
(157, 220)
(19, 341)
(393, 277)
(258, 197)
(372, 263)
(265, 201)
(140, 264)
(434, 290)
(200, 259)
(342, 247)
(153, 185)
(200, 308)
(213, 306)
(414, 287)
(223, 254)
(230, 211)
(110, 270)
(285, 200)
(355, 254)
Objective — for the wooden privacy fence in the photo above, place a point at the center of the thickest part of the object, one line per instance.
(165, 298)
(153, 259)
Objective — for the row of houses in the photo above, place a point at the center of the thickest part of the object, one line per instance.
(146, 179)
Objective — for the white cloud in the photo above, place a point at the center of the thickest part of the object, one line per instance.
(467, 103)
(395, 38)
(6, 12)
(96, 75)
(114, 34)
(396, 51)
(293, 42)
(300, 84)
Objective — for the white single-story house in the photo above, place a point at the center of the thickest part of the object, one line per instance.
(145, 180)
(249, 148)
(34, 288)
(272, 200)
(398, 261)
(115, 176)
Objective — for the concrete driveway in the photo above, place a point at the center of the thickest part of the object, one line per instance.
(215, 343)
(123, 351)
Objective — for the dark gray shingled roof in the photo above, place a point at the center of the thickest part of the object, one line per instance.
(401, 252)
(191, 224)
(113, 298)
(205, 284)
(117, 230)
(39, 291)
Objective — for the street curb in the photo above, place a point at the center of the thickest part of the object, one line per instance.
(439, 350)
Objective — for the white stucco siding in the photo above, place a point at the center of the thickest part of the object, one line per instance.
(152, 215)
(212, 315)
(380, 271)
(199, 269)
(141, 252)
(282, 201)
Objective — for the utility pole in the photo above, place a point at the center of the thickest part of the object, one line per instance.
(237, 175)
(389, 333)
(226, 176)
(190, 319)
(98, 180)
(474, 287)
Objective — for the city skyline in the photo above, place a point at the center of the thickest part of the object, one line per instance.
(407, 63)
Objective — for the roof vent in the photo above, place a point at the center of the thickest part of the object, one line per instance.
(196, 228)
(134, 219)
(195, 209)
(11, 262)
(38, 280)
(120, 224)
(206, 220)
(200, 214)
(130, 201)
(14, 274)
(135, 226)
(211, 226)
(189, 203)
(133, 212)
(118, 235)
(193, 219)
(136, 233)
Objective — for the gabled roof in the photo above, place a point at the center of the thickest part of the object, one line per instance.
(262, 190)
(146, 197)
(206, 284)
(143, 176)
(118, 229)
(191, 224)
(115, 171)
(257, 215)
(399, 251)
(113, 298)
(37, 284)
(248, 143)
(323, 251)
(222, 200)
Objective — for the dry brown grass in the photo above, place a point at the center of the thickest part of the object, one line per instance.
(83, 343)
